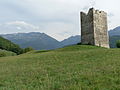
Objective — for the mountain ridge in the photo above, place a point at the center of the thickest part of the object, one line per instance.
(42, 41)
(31, 39)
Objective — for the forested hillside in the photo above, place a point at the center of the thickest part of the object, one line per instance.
(9, 46)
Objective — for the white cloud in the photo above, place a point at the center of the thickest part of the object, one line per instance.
(20, 24)
(19, 28)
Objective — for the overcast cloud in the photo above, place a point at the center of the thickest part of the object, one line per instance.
(57, 18)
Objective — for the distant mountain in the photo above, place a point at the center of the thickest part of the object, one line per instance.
(115, 31)
(71, 40)
(42, 41)
(39, 41)
(113, 40)
(114, 35)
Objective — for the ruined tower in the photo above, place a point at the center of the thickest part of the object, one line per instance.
(94, 28)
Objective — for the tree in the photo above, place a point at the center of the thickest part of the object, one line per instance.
(118, 43)
(28, 49)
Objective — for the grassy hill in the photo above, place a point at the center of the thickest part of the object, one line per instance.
(4, 53)
(76, 67)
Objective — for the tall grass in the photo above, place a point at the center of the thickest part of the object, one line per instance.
(71, 68)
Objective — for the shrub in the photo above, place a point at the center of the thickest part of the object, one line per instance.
(79, 43)
(27, 49)
(118, 43)
(16, 49)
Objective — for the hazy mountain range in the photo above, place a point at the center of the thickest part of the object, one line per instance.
(42, 41)
(114, 35)
(115, 31)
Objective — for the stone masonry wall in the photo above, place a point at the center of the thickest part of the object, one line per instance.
(87, 33)
(94, 28)
(100, 29)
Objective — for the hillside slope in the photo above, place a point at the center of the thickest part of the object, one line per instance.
(113, 40)
(115, 31)
(4, 53)
(9, 46)
(71, 68)
(71, 40)
(39, 41)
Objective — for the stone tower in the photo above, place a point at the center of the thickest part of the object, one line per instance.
(94, 28)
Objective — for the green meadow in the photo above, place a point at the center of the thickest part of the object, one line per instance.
(77, 67)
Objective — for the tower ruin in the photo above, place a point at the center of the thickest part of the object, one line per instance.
(94, 28)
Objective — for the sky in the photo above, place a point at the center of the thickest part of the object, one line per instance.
(57, 18)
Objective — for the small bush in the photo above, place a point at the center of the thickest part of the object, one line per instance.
(28, 49)
(118, 43)
(79, 43)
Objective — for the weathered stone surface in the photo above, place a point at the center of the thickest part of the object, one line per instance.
(94, 28)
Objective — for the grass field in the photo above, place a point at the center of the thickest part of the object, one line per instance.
(75, 67)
